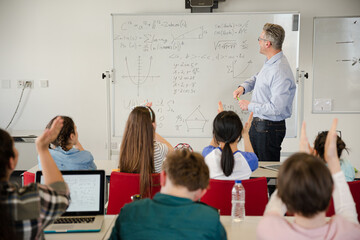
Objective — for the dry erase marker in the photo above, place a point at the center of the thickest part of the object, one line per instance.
(238, 98)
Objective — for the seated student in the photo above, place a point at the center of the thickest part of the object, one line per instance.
(224, 159)
(319, 148)
(28, 210)
(174, 213)
(305, 186)
(142, 150)
(67, 151)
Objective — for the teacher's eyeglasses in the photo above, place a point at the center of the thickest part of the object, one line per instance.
(259, 38)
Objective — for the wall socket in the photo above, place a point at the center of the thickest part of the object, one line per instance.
(28, 83)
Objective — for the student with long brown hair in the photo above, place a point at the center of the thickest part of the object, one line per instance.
(142, 149)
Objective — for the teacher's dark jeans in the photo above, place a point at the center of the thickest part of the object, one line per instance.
(266, 138)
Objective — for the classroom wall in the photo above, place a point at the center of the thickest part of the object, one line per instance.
(68, 43)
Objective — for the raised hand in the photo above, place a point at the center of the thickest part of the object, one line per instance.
(220, 107)
(304, 142)
(248, 123)
(330, 155)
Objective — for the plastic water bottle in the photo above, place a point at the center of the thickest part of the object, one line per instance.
(238, 202)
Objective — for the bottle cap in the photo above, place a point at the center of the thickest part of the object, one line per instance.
(237, 181)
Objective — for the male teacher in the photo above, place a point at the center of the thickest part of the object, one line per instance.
(272, 98)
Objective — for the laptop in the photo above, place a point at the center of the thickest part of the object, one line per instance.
(86, 210)
(274, 167)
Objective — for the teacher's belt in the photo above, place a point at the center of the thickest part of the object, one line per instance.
(257, 119)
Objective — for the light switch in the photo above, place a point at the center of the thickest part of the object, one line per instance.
(5, 84)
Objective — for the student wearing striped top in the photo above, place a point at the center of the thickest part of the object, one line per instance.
(26, 211)
(142, 150)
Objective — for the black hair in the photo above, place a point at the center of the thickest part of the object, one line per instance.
(319, 144)
(227, 128)
(6, 152)
(68, 128)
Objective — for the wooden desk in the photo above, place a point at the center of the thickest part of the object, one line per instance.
(242, 230)
(263, 172)
(105, 229)
(106, 165)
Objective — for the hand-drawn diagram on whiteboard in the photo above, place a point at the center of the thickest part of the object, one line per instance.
(240, 70)
(197, 33)
(196, 120)
(140, 75)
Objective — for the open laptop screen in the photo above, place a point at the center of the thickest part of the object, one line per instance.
(86, 191)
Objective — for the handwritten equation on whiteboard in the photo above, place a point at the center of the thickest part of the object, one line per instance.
(189, 63)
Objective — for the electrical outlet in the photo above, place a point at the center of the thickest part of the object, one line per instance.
(44, 83)
(27, 83)
(20, 83)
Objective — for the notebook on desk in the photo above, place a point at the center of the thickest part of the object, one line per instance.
(86, 210)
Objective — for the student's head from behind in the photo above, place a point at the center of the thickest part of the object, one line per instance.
(8, 155)
(68, 134)
(275, 34)
(227, 129)
(319, 145)
(305, 185)
(186, 170)
(137, 146)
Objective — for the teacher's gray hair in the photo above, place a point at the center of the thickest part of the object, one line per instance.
(275, 34)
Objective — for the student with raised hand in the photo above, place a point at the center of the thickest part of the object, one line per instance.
(175, 212)
(66, 149)
(305, 186)
(319, 150)
(31, 208)
(222, 156)
(142, 150)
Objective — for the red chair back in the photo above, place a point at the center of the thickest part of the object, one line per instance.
(256, 196)
(355, 192)
(123, 186)
(28, 177)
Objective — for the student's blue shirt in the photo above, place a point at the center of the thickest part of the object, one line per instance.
(73, 159)
(348, 170)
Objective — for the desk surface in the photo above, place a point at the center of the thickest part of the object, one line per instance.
(108, 165)
(242, 230)
(103, 234)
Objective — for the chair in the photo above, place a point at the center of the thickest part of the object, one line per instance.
(256, 196)
(123, 186)
(28, 177)
(355, 192)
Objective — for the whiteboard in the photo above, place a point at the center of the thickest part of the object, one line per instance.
(186, 63)
(336, 65)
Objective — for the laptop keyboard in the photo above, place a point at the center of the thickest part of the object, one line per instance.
(74, 220)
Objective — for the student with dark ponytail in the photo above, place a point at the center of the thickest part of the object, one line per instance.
(222, 156)
(319, 150)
